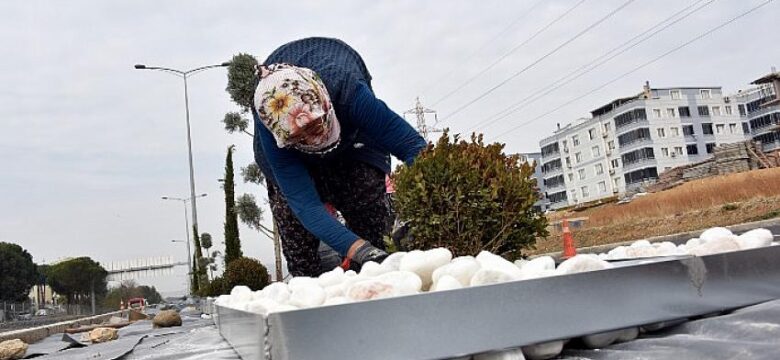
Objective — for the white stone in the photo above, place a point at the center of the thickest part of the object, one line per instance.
(581, 263)
(423, 263)
(446, 282)
(393, 261)
(370, 289)
(405, 282)
(330, 278)
(716, 246)
(715, 234)
(543, 351)
(461, 268)
(487, 276)
(516, 354)
(372, 269)
(491, 261)
(278, 292)
(601, 340)
(755, 239)
(306, 296)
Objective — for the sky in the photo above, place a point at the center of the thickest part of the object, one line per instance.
(88, 144)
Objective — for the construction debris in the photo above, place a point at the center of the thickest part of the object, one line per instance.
(726, 159)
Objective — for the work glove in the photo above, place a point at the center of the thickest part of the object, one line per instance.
(363, 254)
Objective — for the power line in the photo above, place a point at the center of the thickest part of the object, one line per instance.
(567, 42)
(485, 45)
(560, 82)
(675, 49)
(510, 52)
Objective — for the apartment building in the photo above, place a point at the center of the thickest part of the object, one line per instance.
(628, 142)
(759, 108)
(535, 159)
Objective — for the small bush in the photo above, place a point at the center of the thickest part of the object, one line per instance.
(216, 287)
(730, 207)
(468, 197)
(245, 271)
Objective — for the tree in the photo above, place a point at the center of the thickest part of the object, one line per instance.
(77, 278)
(468, 197)
(241, 80)
(205, 242)
(128, 290)
(241, 84)
(18, 273)
(246, 271)
(232, 241)
(252, 216)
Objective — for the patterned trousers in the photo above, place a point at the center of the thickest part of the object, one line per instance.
(357, 190)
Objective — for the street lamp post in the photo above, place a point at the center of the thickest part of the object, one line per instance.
(184, 75)
(187, 233)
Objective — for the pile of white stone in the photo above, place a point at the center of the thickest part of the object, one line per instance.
(712, 241)
(417, 271)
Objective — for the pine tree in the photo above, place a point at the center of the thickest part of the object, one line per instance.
(232, 241)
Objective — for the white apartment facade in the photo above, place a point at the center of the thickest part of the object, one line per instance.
(759, 108)
(627, 143)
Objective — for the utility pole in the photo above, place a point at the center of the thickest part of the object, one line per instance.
(419, 110)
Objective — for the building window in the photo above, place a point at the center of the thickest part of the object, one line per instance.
(728, 109)
(688, 130)
(684, 111)
(575, 140)
(656, 113)
(641, 175)
(704, 111)
(571, 177)
(710, 148)
(592, 134)
(633, 136)
(745, 128)
(692, 149)
(584, 190)
(661, 132)
(602, 187)
(670, 113)
(599, 169)
(638, 155)
(678, 150)
(716, 111)
(719, 128)
(630, 117)
(741, 109)
(616, 182)
(581, 172)
(674, 131)
(733, 128)
(615, 164)
(611, 144)
(675, 94)
(706, 128)
(596, 151)
(606, 127)
(665, 152)
(706, 94)
(578, 158)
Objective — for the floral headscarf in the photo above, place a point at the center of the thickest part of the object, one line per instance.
(294, 105)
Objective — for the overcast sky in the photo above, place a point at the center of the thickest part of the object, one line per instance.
(88, 144)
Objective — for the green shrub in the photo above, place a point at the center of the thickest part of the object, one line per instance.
(468, 197)
(217, 286)
(245, 271)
